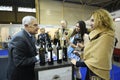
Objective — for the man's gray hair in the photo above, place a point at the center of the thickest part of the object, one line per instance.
(27, 20)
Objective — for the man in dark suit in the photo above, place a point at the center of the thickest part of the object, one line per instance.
(43, 37)
(22, 51)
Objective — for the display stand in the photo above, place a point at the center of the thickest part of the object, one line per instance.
(63, 71)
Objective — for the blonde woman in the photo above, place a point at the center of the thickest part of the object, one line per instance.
(98, 52)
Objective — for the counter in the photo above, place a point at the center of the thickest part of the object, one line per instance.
(63, 71)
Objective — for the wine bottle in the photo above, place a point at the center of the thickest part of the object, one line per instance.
(59, 52)
(42, 54)
(65, 51)
(50, 55)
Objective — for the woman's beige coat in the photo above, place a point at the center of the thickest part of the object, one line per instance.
(98, 52)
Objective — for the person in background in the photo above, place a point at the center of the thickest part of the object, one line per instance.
(9, 38)
(22, 51)
(43, 36)
(99, 50)
(79, 36)
(55, 38)
(63, 32)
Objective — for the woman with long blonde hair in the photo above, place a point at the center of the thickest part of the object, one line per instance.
(98, 52)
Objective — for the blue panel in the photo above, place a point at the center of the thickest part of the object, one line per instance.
(4, 52)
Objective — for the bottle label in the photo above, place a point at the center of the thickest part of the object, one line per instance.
(60, 54)
(49, 55)
(46, 57)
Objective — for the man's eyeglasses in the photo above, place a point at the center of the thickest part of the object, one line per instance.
(34, 25)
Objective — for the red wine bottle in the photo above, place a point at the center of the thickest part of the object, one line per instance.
(50, 55)
(59, 52)
(42, 55)
(65, 51)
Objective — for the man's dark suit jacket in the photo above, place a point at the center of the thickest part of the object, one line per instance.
(21, 59)
(44, 38)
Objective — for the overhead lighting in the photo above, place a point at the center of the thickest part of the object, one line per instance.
(5, 8)
(23, 9)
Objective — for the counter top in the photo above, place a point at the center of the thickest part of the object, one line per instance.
(55, 65)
